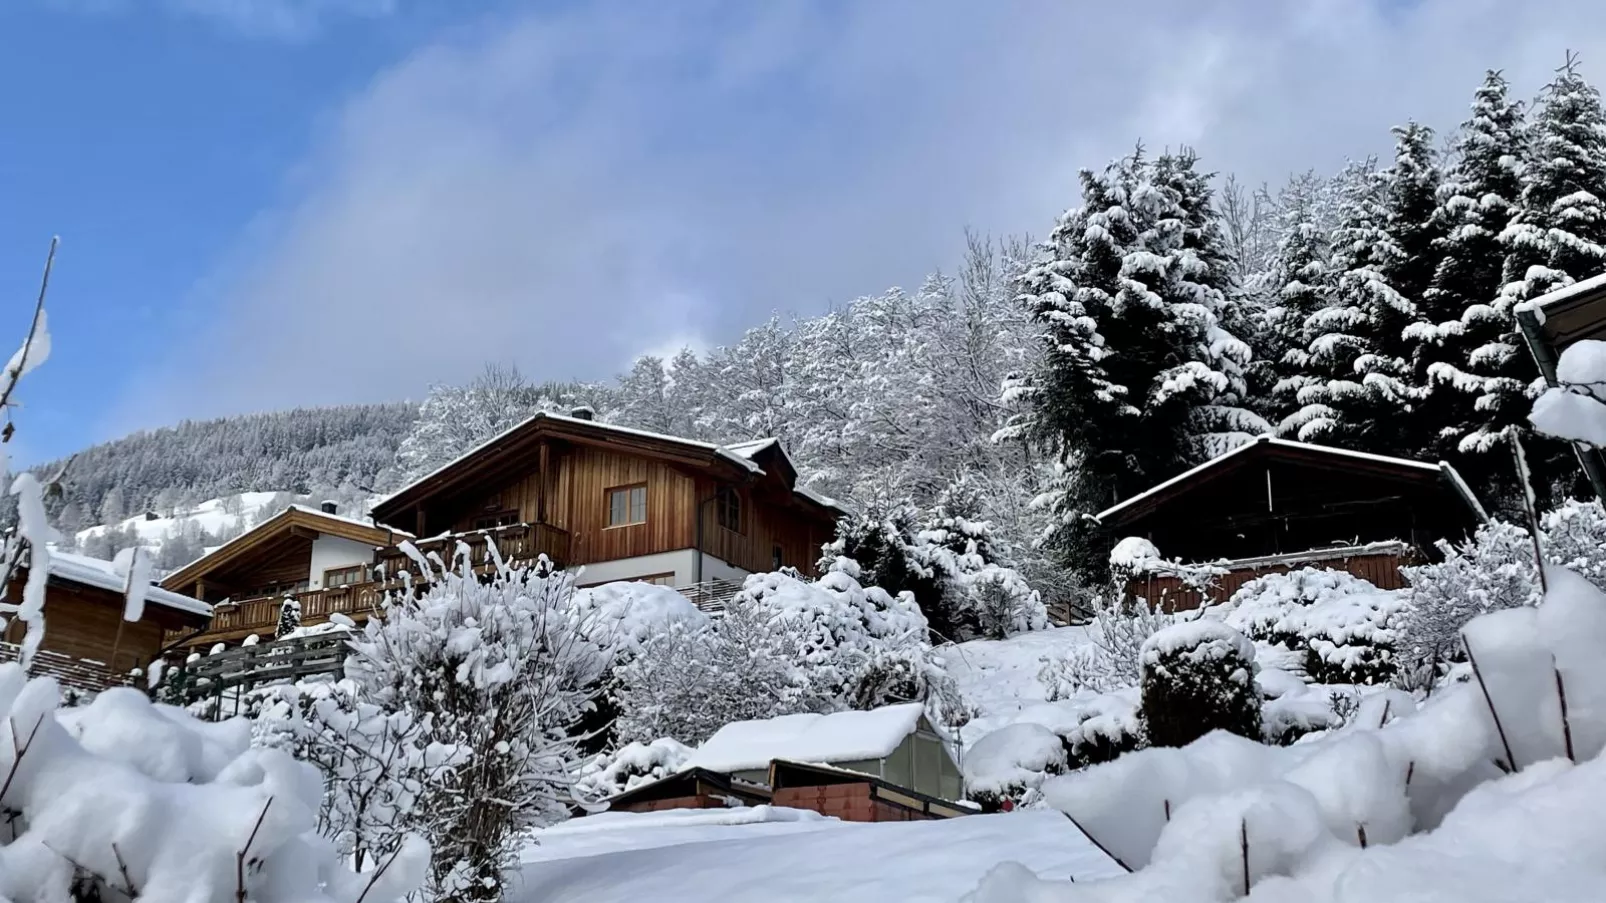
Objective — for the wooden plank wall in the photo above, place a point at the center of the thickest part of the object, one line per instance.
(584, 477)
(83, 625)
(1169, 593)
(766, 524)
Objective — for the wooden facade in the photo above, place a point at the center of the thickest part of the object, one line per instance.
(557, 472)
(87, 641)
(539, 491)
(1274, 505)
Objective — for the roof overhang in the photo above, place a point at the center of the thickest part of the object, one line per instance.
(1286, 450)
(292, 521)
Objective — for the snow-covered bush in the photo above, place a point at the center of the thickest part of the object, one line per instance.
(1402, 802)
(1573, 536)
(947, 563)
(500, 673)
(691, 680)
(125, 799)
(610, 774)
(376, 764)
(1341, 628)
(1493, 570)
(1113, 659)
(1198, 676)
(1006, 768)
(1135, 557)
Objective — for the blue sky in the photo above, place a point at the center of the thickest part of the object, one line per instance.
(266, 203)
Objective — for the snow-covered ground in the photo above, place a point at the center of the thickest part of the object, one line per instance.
(216, 517)
(999, 677)
(774, 854)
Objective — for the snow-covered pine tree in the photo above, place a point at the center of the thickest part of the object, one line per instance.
(1139, 380)
(1382, 261)
(1468, 359)
(1295, 286)
(1557, 237)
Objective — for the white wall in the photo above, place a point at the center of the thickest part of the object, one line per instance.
(336, 552)
(681, 563)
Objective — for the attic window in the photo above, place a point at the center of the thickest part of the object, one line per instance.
(627, 505)
(728, 507)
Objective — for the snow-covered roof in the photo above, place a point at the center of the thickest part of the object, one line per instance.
(837, 737)
(1261, 442)
(751, 448)
(368, 522)
(103, 575)
(1563, 294)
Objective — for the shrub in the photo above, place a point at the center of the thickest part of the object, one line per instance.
(1340, 628)
(1198, 677)
(1007, 767)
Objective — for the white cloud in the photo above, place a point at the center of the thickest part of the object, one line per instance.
(566, 189)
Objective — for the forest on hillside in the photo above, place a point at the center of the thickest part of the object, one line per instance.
(1169, 315)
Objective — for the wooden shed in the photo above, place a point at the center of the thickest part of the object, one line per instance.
(694, 788)
(87, 643)
(1274, 505)
(852, 795)
(893, 743)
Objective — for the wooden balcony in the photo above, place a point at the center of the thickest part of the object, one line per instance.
(233, 621)
(517, 544)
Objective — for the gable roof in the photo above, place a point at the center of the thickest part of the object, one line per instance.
(1270, 447)
(102, 574)
(511, 444)
(836, 737)
(291, 519)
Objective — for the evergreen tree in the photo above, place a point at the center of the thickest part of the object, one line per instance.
(1139, 379)
(1472, 382)
(1296, 286)
(1382, 261)
(1558, 237)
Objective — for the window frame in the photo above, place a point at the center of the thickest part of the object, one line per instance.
(359, 570)
(628, 490)
(728, 502)
(505, 518)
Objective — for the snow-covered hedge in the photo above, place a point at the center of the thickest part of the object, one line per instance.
(610, 774)
(1340, 627)
(1198, 676)
(1006, 768)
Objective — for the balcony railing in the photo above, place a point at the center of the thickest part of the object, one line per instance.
(517, 544)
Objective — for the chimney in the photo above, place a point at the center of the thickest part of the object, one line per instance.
(584, 412)
(329, 507)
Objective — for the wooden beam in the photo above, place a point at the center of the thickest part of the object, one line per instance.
(545, 473)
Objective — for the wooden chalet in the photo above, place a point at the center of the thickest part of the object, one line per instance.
(88, 645)
(623, 504)
(1552, 323)
(1274, 505)
(313, 555)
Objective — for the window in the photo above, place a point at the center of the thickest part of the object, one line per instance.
(775, 558)
(343, 576)
(728, 506)
(627, 505)
(499, 519)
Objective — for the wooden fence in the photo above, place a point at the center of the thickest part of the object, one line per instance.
(234, 672)
(74, 674)
(1378, 564)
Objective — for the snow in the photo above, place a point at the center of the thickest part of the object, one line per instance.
(791, 856)
(1242, 449)
(633, 765)
(1198, 641)
(1576, 409)
(135, 564)
(832, 738)
(1560, 295)
(627, 613)
(210, 516)
(1013, 758)
(105, 575)
(1404, 802)
(1133, 554)
(30, 354)
(999, 679)
(367, 522)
